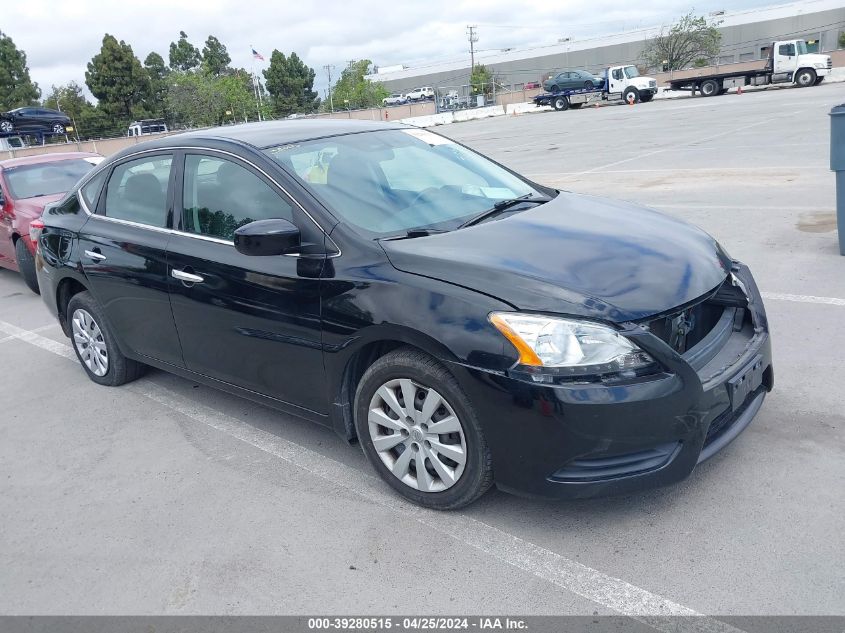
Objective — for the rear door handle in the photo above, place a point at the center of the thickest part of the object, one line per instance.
(190, 278)
(97, 257)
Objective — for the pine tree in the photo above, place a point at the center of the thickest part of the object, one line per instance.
(16, 87)
(215, 57)
(183, 54)
(290, 83)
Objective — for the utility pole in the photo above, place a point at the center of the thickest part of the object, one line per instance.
(328, 68)
(472, 36)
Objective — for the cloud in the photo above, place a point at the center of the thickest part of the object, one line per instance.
(60, 38)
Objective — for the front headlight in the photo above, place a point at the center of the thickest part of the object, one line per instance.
(580, 347)
(820, 65)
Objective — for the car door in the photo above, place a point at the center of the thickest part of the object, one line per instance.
(249, 321)
(123, 250)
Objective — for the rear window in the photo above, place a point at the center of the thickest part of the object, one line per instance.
(46, 179)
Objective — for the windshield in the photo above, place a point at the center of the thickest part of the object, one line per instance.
(32, 181)
(394, 181)
(631, 72)
(802, 47)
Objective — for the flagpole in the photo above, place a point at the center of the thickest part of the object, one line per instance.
(254, 86)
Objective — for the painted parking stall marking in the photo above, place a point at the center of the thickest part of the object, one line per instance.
(584, 581)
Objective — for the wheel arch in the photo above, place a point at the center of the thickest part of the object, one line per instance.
(357, 358)
(66, 289)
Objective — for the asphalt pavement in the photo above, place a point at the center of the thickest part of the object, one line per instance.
(165, 497)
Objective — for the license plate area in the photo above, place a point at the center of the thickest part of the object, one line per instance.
(745, 382)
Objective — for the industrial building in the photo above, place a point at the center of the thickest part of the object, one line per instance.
(746, 36)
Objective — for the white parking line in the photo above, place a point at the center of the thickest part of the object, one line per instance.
(780, 296)
(613, 593)
(38, 329)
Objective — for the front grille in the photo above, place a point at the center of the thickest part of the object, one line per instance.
(829, 63)
(724, 421)
(683, 330)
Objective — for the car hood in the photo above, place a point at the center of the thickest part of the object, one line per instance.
(33, 207)
(576, 255)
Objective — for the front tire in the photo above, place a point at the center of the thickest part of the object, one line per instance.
(420, 432)
(58, 128)
(95, 345)
(631, 96)
(6, 126)
(806, 77)
(26, 265)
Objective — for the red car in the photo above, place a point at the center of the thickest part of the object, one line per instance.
(27, 185)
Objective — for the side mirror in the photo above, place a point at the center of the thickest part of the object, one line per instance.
(267, 237)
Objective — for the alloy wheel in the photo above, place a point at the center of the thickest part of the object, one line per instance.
(417, 435)
(58, 128)
(90, 343)
(6, 127)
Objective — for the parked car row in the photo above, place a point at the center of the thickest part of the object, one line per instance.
(426, 93)
(365, 276)
(35, 120)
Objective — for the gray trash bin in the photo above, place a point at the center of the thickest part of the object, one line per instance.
(837, 164)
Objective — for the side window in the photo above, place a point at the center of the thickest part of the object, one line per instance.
(220, 196)
(787, 49)
(91, 190)
(137, 191)
(617, 73)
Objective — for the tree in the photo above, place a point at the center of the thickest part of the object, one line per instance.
(88, 120)
(16, 87)
(158, 72)
(352, 90)
(183, 54)
(691, 38)
(119, 82)
(481, 81)
(199, 99)
(290, 83)
(215, 57)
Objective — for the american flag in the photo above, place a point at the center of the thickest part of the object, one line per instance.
(257, 55)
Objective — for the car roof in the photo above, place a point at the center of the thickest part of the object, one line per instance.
(45, 158)
(272, 133)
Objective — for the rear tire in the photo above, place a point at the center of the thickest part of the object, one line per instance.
(6, 126)
(710, 88)
(554, 89)
(406, 445)
(95, 345)
(588, 85)
(58, 128)
(805, 78)
(560, 103)
(26, 265)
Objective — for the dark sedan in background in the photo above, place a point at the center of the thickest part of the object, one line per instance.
(35, 120)
(27, 185)
(468, 326)
(572, 80)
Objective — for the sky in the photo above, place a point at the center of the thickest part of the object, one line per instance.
(61, 36)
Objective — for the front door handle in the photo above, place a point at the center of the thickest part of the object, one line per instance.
(190, 278)
(97, 257)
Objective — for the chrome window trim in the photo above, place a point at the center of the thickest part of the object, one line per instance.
(198, 236)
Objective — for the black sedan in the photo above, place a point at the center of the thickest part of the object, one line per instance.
(35, 120)
(467, 326)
